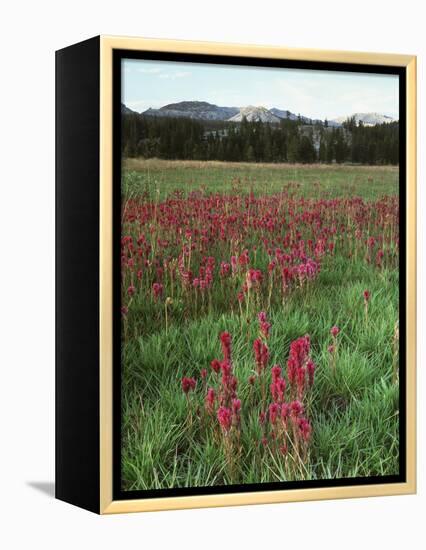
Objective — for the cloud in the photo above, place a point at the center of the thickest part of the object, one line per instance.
(144, 104)
(150, 70)
(162, 72)
(320, 94)
(316, 94)
(174, 75)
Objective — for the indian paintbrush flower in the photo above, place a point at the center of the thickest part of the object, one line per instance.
(131, 290)
(210, 400)
(225, 339)
(215, 365)
(188, 384)
(367, 297)
(335, 331)
(224, 416)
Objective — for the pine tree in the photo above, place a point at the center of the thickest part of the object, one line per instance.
(291, 141)
(250, 154)
(293, 149)
(322, 150)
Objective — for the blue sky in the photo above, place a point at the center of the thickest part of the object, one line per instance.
(316, 94)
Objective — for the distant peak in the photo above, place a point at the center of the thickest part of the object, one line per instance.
(254, 114)
(369, 119)
(188, 105)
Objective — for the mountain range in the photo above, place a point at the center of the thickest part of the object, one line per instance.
(194, 109)
(368, 119)
(255, 114)
(202, 110)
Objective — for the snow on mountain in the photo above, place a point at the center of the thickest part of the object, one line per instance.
(254, 114)
(368, 119)
(283, 114)
(292, 116)
(202, 110)
(193, 109)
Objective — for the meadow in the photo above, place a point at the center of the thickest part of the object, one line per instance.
(259, 322)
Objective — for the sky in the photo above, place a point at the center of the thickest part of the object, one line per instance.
(315, 94)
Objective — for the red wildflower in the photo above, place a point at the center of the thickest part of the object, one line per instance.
(277, 390)
(261, 354)
(276, 372)
(210, 400)
(225, 269)
(157, 289)
(292, 366)
(233, 384)
(283, 449)
(299, 355)
(131, 290)
(253, 277)
(236, 405)
(225, 339)
(264, 325)
(299, 349)
(285, 412)
(226, 368)
(188, 384)
(271, 266)
(234, 265)
(334, 331)
(300, 381)
(310, 366)
(215, 365)
(274, 410)
(236, 409)
(262, 317)
(305, 429)
(224, 417)
(296, 408)
(251, 380)
(244, 258)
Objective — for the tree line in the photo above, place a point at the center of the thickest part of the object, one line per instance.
(286, 141)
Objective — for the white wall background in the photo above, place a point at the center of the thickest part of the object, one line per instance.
(29, 34)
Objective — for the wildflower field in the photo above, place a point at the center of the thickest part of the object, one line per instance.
(259, 322)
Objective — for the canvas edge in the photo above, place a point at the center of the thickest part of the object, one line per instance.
(76, 276)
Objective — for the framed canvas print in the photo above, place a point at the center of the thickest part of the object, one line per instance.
(235, 274)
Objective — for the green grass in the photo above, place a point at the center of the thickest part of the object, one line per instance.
(164, 177)
(354, 409)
